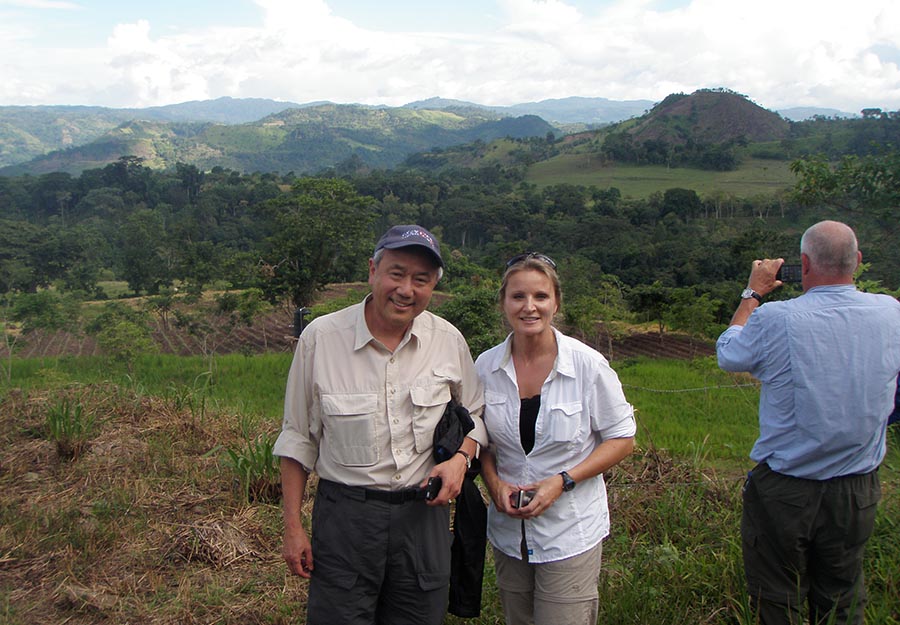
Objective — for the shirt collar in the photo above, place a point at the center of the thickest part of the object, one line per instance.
(565, 357)
(832, 288)
(364, 336)
(563, 365)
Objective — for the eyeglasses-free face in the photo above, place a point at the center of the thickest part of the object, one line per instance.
(525, 256)
(529, 302)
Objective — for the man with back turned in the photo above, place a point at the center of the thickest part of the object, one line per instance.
(367, 387)
(828, 362)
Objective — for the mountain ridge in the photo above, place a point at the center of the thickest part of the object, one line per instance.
(303, 140)
(35, 139)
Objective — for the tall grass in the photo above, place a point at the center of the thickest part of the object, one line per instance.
(691, 408)
(70, 425)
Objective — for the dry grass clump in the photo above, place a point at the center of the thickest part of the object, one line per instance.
(145, 526)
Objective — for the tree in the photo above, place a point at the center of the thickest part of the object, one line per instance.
(321, 233)
(142, 263)
(123, 332)
(652, 300)
(125, 340)
(20, 313)
(869, 189)
(692, 313)
(683, 202)
(476, 314)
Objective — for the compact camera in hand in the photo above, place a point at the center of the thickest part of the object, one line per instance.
(789, 273)
(432, 488)
(521, 498)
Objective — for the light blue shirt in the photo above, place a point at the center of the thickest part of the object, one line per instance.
(582, 404)
(828, 363)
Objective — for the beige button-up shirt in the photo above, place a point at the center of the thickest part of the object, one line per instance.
(360, 415)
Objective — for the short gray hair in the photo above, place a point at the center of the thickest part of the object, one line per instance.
(831, 247)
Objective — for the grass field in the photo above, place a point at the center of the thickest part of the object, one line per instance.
(754, 177)
(149, 521)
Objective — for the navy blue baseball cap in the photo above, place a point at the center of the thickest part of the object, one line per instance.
(404, 236)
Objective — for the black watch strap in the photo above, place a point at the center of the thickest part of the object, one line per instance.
(568, 482)
(748, 293)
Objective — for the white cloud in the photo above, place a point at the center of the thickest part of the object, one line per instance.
(799, 52)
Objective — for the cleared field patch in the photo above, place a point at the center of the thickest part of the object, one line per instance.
(754, 177)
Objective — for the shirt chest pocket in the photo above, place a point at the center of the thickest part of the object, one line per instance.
(349, 423)
(500, 419)
(428, 402)
(564, 422)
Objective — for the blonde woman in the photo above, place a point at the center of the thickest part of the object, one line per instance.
(557, 419)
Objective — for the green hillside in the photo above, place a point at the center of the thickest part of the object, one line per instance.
(711, 141)
(302, 140)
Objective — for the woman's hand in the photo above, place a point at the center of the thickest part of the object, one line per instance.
(546, 492)
(503, 495)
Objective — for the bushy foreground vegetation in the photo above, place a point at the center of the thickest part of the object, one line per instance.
(169, 513)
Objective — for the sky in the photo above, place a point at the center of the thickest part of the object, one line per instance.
(118, 53)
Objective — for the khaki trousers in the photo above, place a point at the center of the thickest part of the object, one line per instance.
(550, 593)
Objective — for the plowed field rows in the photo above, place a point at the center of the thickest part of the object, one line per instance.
(272, 333)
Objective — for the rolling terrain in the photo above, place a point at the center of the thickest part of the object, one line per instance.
(302, 140)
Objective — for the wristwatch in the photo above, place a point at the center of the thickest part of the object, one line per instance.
(748, 293)
(568, 482)
(467, 457)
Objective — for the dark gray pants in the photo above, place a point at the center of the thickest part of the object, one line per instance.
(803, 542)
(377, 562)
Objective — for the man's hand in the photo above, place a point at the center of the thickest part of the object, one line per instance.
(762, 280)
(762, 275)
(452, 473)
(297, 551)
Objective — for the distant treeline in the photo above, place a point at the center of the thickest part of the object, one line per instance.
(287, 236)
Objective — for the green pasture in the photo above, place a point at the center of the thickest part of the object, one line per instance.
(754, 177)
(673, 555)
(680, 406)
(250, 385)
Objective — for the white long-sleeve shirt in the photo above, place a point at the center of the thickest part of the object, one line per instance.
(582, 404)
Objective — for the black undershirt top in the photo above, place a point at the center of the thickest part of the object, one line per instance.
(528, 413)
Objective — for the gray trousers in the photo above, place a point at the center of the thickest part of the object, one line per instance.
(803, 543)
(377, 562)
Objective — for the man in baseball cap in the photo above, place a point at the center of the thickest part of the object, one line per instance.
(367, 387)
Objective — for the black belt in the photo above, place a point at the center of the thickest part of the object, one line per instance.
(371, 494)
(395, 496)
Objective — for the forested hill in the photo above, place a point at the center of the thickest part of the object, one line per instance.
(709, 116)
(710, 129)
(302, 140)
(27, 132)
